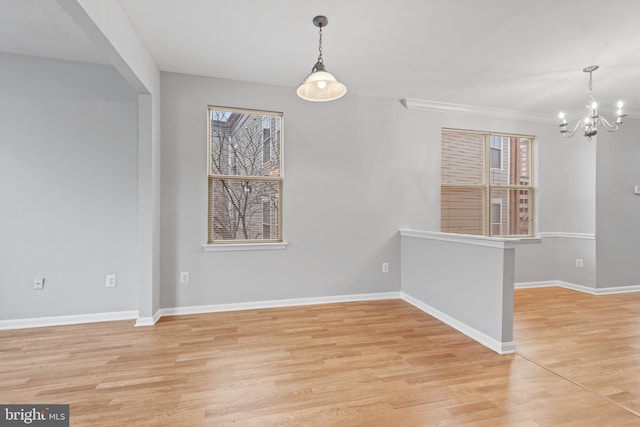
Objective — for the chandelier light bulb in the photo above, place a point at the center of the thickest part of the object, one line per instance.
(561, 115)
(594, 105)
(620, 104)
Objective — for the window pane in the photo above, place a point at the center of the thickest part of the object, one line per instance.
(266, 151)
(266, 139)
(516, 164)
(496, 217)
(499, 172)
(496, 213)
(521, 162)
(496, 158)
(515, 208)
(238, 207)
(462, 155)
(241, 144)
(461, 210)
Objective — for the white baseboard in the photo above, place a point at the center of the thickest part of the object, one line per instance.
(39, 322)
(617, 290)
(541, 284)
(484, 339)
(148, 320)
(216, 308)
(152, 320)
(579, 288)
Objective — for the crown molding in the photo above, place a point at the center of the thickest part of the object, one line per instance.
(472, 110)
(495, 113)
(610, 113)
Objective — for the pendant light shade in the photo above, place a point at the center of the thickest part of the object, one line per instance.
(320, 85)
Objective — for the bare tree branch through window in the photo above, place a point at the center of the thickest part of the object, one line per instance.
(245, 181)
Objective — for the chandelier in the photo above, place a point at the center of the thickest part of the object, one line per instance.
(590, 123)
(320, 85)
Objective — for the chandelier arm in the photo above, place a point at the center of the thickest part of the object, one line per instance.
(569, 134)
(608, 126)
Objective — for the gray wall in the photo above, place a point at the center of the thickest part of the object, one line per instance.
(617, 208)
(472, 284)
(566, 208)
(355, 170)
(67, 188)
(536, 262)
(345, 184)
(575, 195)
(570, 249)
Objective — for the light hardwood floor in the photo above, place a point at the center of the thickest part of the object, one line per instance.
(380, 363)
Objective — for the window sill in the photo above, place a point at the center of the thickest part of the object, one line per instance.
(227, 247)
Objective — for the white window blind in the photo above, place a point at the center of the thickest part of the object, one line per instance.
(486, 183)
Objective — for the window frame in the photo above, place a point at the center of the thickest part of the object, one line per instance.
(213, 244)
(486, 186)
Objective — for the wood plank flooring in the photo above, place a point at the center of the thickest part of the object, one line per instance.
(592, 340)
(378, 363)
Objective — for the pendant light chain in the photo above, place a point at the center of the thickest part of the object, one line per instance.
(320, 46)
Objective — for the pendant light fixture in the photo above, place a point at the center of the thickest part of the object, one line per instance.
(589, 125)
(320, 85)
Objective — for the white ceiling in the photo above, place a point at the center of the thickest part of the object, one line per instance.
(518, 55)
(42, 28)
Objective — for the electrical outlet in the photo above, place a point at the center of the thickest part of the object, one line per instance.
(38, 283)
(579, 263)
(110, 281)
(385, 267)
(184, 277)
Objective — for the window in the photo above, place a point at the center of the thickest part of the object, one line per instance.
(496, 217)
(266, 219)
(266, 139)
(233, 158)
(479, 198)
(245, 181)
(524, 153)
(495, 154)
